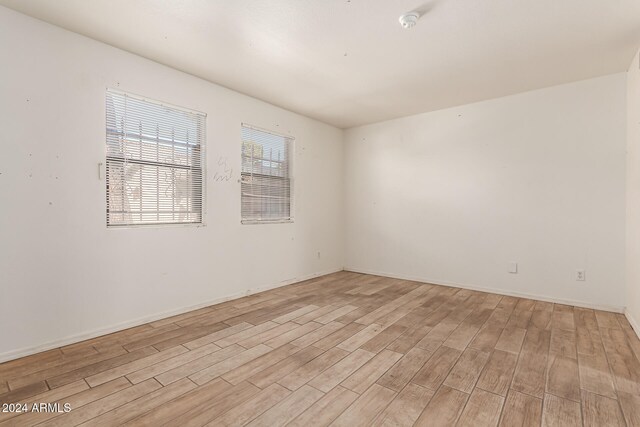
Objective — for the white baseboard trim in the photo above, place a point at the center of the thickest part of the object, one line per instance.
(633, 322)
(16, 354)
(583, 304)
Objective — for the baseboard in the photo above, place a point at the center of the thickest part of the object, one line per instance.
(583, 304)
(16, 354)
(633, 322)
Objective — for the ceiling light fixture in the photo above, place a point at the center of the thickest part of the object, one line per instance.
(409, 19)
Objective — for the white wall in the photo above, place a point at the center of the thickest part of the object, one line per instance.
(63, 275)
(633, 193)
(448, 197)
(453, 196)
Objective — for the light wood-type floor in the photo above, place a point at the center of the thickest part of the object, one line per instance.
(350, 350)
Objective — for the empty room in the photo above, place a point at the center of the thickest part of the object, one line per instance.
(319, 213)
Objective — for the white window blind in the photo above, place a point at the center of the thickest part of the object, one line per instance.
(155, 161)
(266, 176)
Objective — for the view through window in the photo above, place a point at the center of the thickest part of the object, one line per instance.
(155, 162)
(266, 176)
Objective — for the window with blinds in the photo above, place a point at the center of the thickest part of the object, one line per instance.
(155, 162)
(266, 176)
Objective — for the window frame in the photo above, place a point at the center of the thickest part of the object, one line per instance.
(290, 163)
(203, 168)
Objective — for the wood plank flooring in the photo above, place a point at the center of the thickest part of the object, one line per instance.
(345, 349)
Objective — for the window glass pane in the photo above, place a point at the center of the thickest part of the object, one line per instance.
(266, 183)
(155, 160)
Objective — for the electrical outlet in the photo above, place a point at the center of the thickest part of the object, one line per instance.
(580, 275)
(513, 268)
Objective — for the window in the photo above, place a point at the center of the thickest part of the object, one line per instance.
(155, 161)
(266, 176)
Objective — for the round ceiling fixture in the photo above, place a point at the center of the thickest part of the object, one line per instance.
(409, 19)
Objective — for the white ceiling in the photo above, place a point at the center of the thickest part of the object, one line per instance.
(348, 62)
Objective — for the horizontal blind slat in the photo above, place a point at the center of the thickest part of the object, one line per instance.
(155, 162)
(265, 175)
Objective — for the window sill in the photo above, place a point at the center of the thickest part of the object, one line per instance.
(163, 225)
(266, 221)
